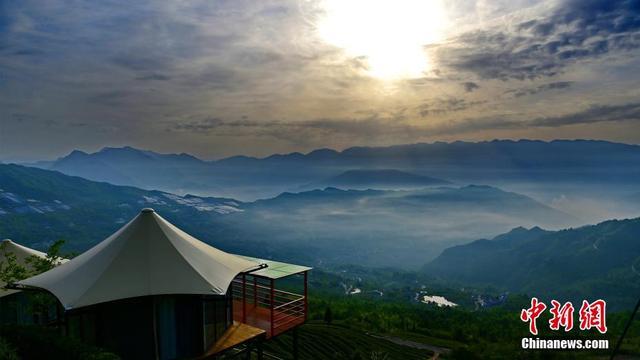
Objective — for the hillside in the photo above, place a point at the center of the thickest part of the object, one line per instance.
(40, 206)
(319, 341)
(601, 260)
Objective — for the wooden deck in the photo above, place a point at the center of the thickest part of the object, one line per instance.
(260, 317)
(236, 335)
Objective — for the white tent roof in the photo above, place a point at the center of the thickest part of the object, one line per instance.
(147, 256)
(22, 253)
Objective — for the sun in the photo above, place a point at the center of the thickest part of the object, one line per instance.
(389, 34)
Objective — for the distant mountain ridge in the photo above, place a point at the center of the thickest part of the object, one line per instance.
(377, 179)
(248, 178)
(602, 260)
(329, 226)
(391, 227)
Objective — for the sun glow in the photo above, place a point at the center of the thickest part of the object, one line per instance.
(389, 35)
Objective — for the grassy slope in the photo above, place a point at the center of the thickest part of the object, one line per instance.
(320, 341)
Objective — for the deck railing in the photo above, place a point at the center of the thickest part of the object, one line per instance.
(285, 309)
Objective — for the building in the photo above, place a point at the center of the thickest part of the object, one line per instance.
(152, 291)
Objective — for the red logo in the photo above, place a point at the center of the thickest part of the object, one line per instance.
(591, 315)
(562, 316)
(531, 314)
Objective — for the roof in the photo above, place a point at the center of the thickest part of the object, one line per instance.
(275, 269)
(147, 256)
(22, 253)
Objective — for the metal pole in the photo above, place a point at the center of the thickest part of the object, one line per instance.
(244, 298)
(624, 332)
(305, 296)
(271, 304)
(255, 291)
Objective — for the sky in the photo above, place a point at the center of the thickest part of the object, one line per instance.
(220, 78)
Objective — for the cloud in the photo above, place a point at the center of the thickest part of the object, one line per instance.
(154, 76)
(595, 113)
(542, 47)
(591, 115)
(558, 85)
(203, 125)
(242, 76)
(446, 105)
(470, 86)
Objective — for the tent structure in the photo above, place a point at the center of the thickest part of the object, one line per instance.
(148, 256)
(152, 291)
(22, 253)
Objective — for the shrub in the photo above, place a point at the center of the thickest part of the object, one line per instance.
(7, 352)
(31, 342)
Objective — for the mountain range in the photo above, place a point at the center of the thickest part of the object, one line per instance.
(249, 178)
(401, 228)
(330, 226)
(601, 260)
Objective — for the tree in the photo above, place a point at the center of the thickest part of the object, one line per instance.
(53, 258)
(10, 270)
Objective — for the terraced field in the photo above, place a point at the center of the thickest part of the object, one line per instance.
(319, 341)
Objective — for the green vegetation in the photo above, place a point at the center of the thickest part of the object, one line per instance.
(360, 327)
(7, 351)
(590, 262)
(33, 342)
(321, 341)
(11, 270)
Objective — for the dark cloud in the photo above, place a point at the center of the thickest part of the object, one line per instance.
(579, 29)
(204, 125)
(28, 52)
(139, 62)
(155, 76)
(111, 98)
(596, 113)
(470, 86)
(214, 76)
(443, 106)
(376, 126)
(78, 124)
(21, 117)
(538, 89)
(302, 130)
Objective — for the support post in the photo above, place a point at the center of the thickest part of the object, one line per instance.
(244, 298)
(156, 346)
(295, 343)
(66, 323)
(259, 346)
(255, 291)
(305, 295)
(272, 296)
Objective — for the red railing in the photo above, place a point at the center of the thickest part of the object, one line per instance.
(261, 303)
